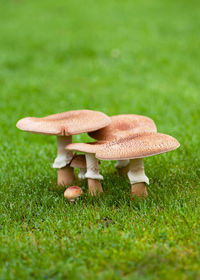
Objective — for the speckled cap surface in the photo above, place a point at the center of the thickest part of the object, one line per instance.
(65, 124)
(138, 146)
(123, 126)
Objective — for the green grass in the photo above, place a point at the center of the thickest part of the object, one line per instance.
(118, 57)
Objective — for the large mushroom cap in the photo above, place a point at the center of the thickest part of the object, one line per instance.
(140, 146)
(123, 126)
(90, 148)
(65, 124)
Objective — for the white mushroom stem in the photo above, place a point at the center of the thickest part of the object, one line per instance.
(81, 174)
(136, 172)
(92, 167)
(122, 163)
(64, 156)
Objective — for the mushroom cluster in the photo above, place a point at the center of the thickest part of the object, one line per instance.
(126, 139)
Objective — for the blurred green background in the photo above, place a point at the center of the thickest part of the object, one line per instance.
(118, 57)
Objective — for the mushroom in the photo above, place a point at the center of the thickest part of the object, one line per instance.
(135, 148)
(123, 126)
(72, 193)
(93, 176)
(79, 161)
(64, 125)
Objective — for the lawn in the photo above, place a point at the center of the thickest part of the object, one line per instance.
(118, 57)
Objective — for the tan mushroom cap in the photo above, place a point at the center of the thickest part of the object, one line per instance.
(140, 146)
(73, 192)
(123, 126)
(78, 161)
(90, 148)
(65, 124)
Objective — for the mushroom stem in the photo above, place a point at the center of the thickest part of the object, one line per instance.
(81, 174)
(65, 172)
(122, 167)
(92, 174)
(138, 178)
(65, 176)
(122, 163)
(139, 190)
(64, 156)
(94, 187)
(92, 167)
(136, 172)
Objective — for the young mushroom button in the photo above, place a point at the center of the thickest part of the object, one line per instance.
(135, 148)
(73, 193)
(64, 125)
(123, 126)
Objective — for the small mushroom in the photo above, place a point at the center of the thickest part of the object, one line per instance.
(93, 176)
(64, 125)
(73, 193)
(135, 148)
(123, 126)
(79, 161)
